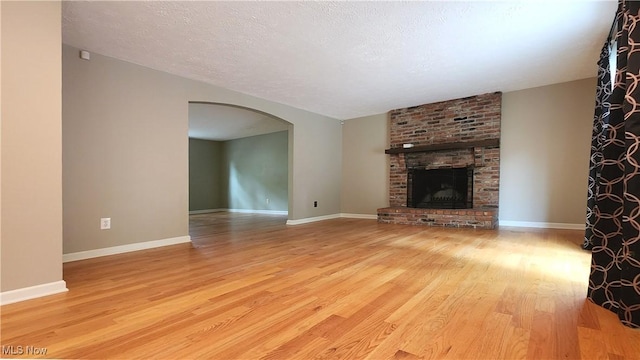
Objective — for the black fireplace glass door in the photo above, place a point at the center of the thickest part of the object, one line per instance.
(439, 188)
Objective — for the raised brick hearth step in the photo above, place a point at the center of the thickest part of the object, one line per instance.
(479, 218)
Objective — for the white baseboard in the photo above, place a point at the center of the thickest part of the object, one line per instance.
(247, 211)
(543, 225)
(267, 212)
(82, 255)
(32, 292)
(206, 211)
(359, 216)
(530, 224)
(312, 219)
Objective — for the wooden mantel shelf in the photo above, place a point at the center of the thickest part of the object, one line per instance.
(445, 146)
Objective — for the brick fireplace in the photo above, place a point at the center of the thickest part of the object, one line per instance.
(462, 135)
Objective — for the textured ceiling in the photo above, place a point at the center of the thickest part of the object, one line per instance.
(221, 122)
(350, 59)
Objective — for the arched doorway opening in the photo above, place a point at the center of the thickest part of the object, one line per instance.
(239, 167)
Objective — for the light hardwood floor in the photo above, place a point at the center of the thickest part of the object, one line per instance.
(251, 287)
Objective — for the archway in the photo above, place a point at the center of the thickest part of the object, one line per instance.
(240, 160)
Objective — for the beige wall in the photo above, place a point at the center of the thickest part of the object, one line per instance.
(125, 152)
(365, 166)
(546, 137)
(1, 86)
(545, 143)
(31, 145)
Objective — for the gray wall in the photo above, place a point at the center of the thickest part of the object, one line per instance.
(125, 152)
(239, 174)
(31, 212)
(205, 175)
(545, 144)
(255, 169)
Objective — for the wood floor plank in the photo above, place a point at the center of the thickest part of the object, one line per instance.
(542, 341)
(591, 347)
(516, 343)
(251, 287)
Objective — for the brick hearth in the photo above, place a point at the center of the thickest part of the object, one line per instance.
(467, 120)
(475, 218)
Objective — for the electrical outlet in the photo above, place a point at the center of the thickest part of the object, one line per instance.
(105, 223)
(268, 200)
(315, 204)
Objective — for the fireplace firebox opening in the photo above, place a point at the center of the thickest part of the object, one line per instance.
(450, 188)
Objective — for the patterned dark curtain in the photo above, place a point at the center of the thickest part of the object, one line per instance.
(613, 214)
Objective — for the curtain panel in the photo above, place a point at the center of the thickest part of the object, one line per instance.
(613, 208)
